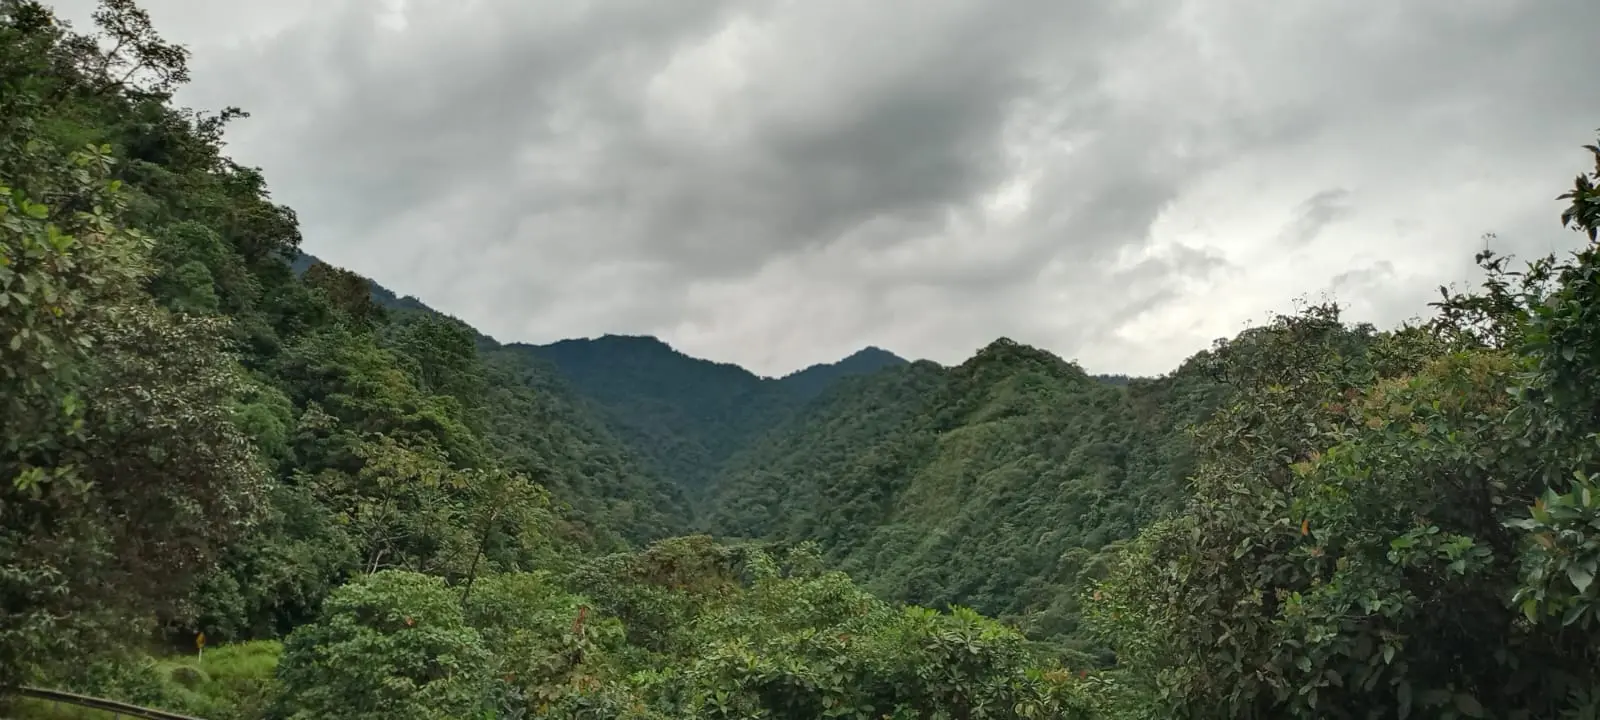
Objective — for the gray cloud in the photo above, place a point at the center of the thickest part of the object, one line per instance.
(1315, 213)
(775, 182)
(1383, 290)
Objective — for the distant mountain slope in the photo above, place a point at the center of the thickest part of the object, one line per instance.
(540, 425)
(380, 294)
(688, 415)
(845, 454)
(993, 484)
(666, 416)
(996, 484)
(812, 381)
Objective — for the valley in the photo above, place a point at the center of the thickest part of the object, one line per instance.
(244, 484)
(997, 484)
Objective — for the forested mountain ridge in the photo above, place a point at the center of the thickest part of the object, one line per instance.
(609, 495)
(992, 484)
(353, 499)
(685, 414)
(532, 416)
(812, 381)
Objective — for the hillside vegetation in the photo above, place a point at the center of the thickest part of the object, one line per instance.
(683, 415)
(373, 511)
(994, 484)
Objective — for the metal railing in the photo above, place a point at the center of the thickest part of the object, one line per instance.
(117, 709)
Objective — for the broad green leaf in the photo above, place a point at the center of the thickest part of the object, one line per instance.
(1468, 705)
(1580, 576)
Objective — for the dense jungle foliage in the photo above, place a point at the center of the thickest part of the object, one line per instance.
(995, 485)
(683, 415)
(370, 510)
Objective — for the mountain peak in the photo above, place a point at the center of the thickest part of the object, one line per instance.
(1005, 352)
(868, 358)
(1006, 347)
(811, 381)
(613, 339)
(873, 352)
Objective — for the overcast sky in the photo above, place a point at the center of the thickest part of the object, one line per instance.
(780, 182)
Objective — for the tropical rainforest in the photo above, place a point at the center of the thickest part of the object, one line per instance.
(242, 483)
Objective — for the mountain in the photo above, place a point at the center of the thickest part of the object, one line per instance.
(812, 381)
(381, 295)
(996, 484)
(687, 415)
(993, 484)
(538, 423)
(660, 413)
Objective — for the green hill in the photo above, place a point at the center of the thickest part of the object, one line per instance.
(685, 415)
(537, 423)
(993, 484)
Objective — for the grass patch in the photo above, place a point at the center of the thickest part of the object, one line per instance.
(231, 682)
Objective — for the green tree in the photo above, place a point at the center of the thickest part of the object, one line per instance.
(1354, 546)
(123, 469)
(548, 644)
(389, 645)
